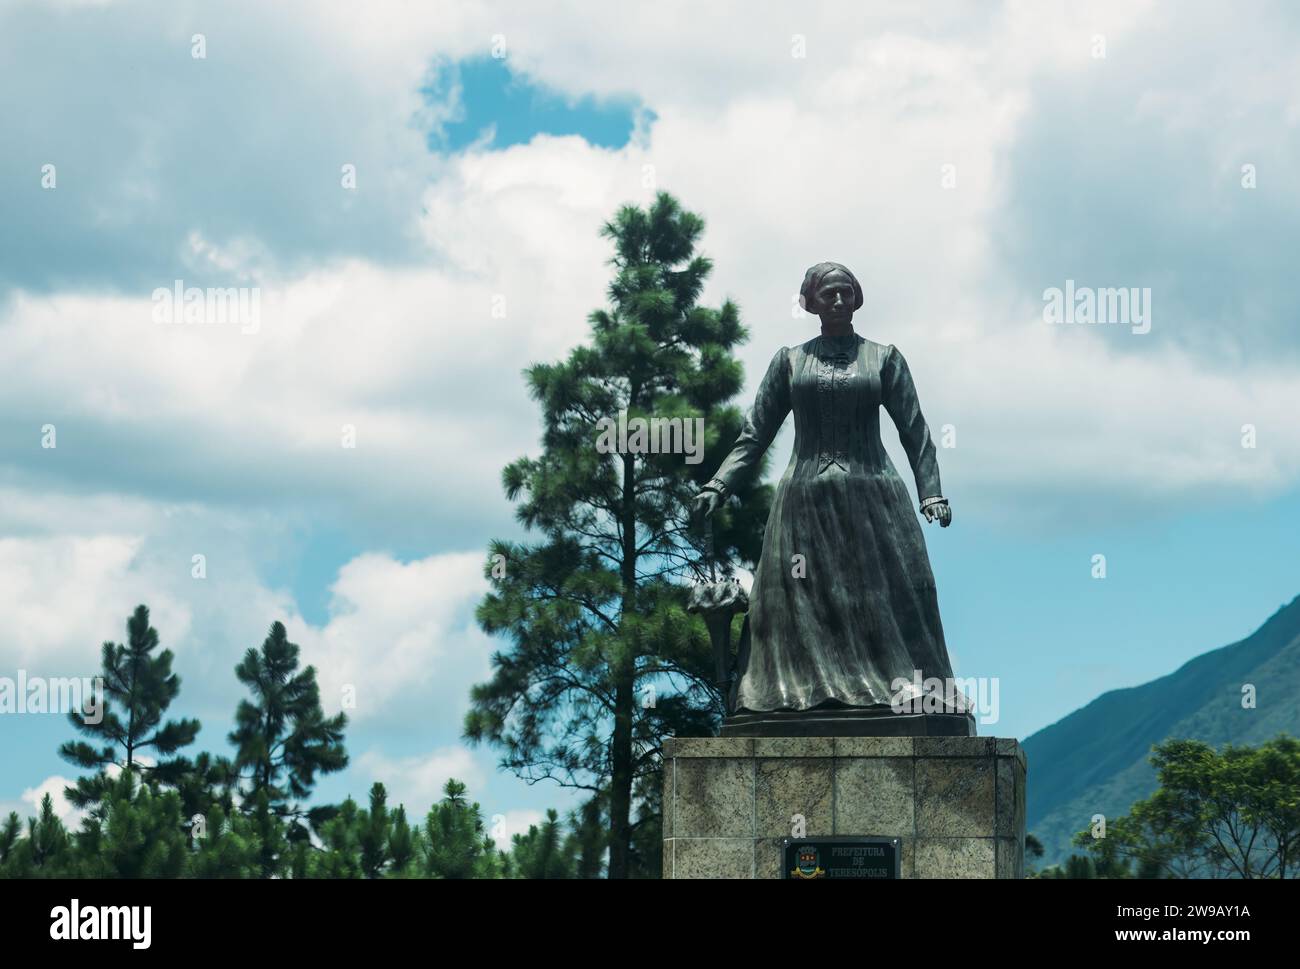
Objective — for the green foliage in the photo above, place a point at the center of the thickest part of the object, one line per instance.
(1082, 866)
(373, 843)
(455, 844)
(140, 822)
(543, 852)
(340, 856)
(283, 740)
(138, 688)
(230, 847)
(1234, 813)
(45, 852)
(207, 785)
(143, 833)
(174, 817)
(138, 832)
(594, 611)
(588, 840)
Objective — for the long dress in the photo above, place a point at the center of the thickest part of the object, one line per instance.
(843, 603)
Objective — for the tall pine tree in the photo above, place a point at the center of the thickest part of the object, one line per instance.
(603, 660)
(283, 740)
(139, 686)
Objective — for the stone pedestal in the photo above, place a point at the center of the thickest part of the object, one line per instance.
(957, 803)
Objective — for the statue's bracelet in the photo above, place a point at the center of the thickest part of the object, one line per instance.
(937, 500)
(717, 486)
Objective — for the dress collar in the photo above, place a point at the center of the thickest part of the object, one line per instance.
(838, 342)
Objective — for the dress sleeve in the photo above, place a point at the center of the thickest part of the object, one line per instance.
(901, 402)
(771, 405)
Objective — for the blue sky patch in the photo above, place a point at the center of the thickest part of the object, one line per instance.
(492, 96)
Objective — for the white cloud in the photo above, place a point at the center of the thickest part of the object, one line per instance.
(417, 781)
(28, 804)
(791, 161)
(401, 635)
(71, 582)
(401, 638)
(503, 827)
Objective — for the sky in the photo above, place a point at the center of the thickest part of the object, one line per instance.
(415, 192)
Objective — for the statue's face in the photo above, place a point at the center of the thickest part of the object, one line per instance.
(835, 297)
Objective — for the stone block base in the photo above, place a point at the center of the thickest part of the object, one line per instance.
(957, 803)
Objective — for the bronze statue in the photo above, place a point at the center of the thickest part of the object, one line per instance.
(843, 609)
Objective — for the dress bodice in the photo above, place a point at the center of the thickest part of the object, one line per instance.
(835, 397)
(835, 387)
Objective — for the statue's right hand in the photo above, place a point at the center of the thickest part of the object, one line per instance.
(706, 503)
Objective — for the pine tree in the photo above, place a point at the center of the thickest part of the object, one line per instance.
(341, 845)
(402, 845)
(49, 846)
(543, 852)
(228, 848)
(370, 843)
(207, 785)
(138, 689)
(588, 839)
(603, 661)
(283, 740)
(10, 835)
(46, 851)
(138, 833)
(454, 842)
(374, 832)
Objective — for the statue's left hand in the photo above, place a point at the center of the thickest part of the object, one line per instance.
(706, 502)
(940, 511)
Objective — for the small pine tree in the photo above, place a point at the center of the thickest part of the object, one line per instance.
(374, 833)
(401, 845)
(370, 843)
(543, 852)
(455, 844)
(46, 852)
(341, 845)
(10, 835)
(137, 834)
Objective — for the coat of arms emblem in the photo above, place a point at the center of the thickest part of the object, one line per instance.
(809, 864)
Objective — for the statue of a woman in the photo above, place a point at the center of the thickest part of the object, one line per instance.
(843, 610)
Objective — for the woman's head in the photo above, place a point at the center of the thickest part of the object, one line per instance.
(830, 291)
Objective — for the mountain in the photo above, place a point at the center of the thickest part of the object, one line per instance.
(1095, 760)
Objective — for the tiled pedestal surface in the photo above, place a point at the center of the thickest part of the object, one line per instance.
(958, 803)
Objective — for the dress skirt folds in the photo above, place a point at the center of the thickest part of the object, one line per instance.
(843, 604)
